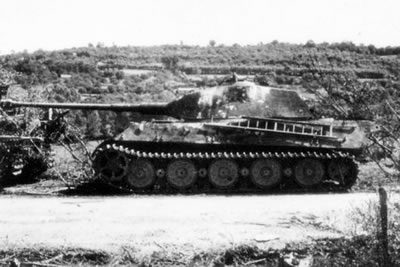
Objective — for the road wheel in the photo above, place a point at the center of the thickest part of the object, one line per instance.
(141, 174)
(181, 174)
(309, 172)
(223, 173)
(266, 173)
(110, 165)
(343, 172)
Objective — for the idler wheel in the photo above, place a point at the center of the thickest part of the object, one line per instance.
(309, 172)
(181, 174)
(266, 173)
(110, 165)
(141, 174)
(223, 173)
(343, 171)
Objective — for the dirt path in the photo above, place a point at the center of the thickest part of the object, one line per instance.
(154, 222)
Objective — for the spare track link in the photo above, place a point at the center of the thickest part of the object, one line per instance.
(139, 154)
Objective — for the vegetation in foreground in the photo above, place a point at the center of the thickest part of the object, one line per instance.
(354, 252)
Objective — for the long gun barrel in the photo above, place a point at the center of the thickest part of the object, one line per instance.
(152, 108)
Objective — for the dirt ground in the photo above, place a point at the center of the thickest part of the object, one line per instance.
(152, 223)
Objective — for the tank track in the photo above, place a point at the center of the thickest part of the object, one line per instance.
(244, 160)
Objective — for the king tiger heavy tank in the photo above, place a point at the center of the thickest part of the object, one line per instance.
(233, 137)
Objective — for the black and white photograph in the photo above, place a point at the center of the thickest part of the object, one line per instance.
(200, 133)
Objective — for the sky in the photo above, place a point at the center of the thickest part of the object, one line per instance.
(57, 24)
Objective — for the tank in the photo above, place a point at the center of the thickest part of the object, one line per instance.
(235, 137)
(24, 155)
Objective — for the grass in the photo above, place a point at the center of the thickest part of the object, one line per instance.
(347, 252)
(128, 256)
(53, 257)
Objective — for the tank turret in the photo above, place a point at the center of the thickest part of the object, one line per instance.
(233, 137)
(242, 98)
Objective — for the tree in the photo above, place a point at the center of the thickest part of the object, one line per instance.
(170, 62)
(349, 98)
(93, 124)
(212, 43)
(310, 44)
(119, 75)
(100, 45)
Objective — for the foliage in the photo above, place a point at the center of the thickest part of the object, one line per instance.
(170, 62)
(368, 222)
(346, 96)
